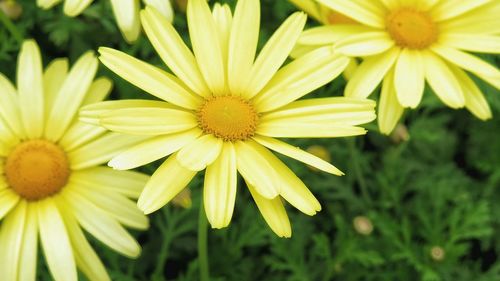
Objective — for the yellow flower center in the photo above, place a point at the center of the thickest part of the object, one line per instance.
(37, 169)
(229, 118)
(411, 29)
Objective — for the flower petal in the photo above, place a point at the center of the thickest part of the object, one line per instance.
(166, 182)
(365, 44)
(298, 154)
(11, 241)
(55, 241)
(369, 74)
(409, 80)
(153, 149)
(442, 81)
(9, 108)
(360, 10)
(389, 109)
(148, 121)
(274, 213)
(207, 49)
(199, 153)
(8, 200)
(243, 44)
(451, 8)
(127, 17)
(149, 78)
(30, 89)
(169, 45)
(73, 8)
(219, 192)
(274, 53)
(70, 96)
(29, 248)
(255, 168)
(478, 43)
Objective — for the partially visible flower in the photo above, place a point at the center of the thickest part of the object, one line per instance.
(183, 199)
(363, 225)
(126, 12)
(11, 8)
(224, 110)
(400, 134)
(51, 181)
(437, 253)
(407, 43)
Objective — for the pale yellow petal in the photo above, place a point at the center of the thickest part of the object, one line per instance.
(73, 8)
(365, 44)
(164, 7)
(475, 101)
(308, 6)
(101, 150)
(409, 80)
(255, 168)
(286, 129)
(291, 188)
(362, 11)
(70, 96)
(451, 8)
(469, 23)
(9, 108)
(127, 183)
(329, 34)
(301, 77)
(91, 114)
(369, 74)
(115, 205)
(53, 79)
(11, 241)
(243, 44)
(98, 91)
(55, 241)
(199, 153)
(8, 200)
(126, 13)
(443, 81)
(29, 247)
(30, 88)
(86, 258)
(223, 21)
(98, 223)
(166, 182)
(148, 121)
(274, 213)
(80, 134)
(336, 110)
(389, 109)
(274, 53)
(169, 45)
(153, 149)
(219, 191)
(208, 52)
(478, 43)
(149, 78)
(471, 63)
(298, 154)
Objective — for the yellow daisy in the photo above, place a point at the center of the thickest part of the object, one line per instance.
(224, 110)
(407, 42)
(51, 184)
(126, 12)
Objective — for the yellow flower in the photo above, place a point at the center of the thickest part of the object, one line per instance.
(405, 43)
(126, 12)
(223, 110)
(51, 182)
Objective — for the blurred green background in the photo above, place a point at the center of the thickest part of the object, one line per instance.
(422, 204)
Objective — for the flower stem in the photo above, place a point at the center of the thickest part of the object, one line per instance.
(202, 245)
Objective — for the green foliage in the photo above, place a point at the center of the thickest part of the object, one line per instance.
(438, 189)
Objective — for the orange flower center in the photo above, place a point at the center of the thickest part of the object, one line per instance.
(229, 118)
(411, 29)
(37, 169)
